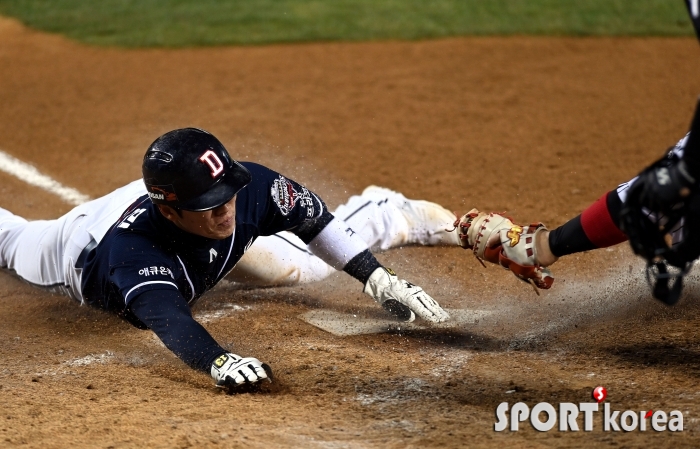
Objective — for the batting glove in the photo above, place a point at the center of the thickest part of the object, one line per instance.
(386, 288)
(230, 370)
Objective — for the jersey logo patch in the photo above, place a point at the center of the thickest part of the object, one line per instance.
(212, 255)
(284, 195)
(212, 160)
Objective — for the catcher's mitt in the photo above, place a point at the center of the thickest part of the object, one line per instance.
(497, 239)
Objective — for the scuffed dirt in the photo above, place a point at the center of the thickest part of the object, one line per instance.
(538, 127)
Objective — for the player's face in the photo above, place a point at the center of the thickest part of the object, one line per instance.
(217, 223)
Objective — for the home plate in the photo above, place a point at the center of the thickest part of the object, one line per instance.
(344, 324)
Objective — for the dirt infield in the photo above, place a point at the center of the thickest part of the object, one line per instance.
(538, 127)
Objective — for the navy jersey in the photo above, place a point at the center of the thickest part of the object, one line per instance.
(144, 251)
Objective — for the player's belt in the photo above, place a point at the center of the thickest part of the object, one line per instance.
(84, 253)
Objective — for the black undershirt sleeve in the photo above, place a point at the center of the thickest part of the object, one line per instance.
(570, 237)
(167, 314)
(311, 228)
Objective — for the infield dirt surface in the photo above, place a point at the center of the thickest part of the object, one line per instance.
(537, 127)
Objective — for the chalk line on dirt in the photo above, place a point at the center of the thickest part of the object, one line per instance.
(31, 175)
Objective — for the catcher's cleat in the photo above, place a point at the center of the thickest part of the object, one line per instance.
(428, 223)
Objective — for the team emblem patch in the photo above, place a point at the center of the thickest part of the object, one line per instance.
(284, 195)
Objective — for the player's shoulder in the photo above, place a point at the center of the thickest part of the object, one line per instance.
(139, 230)
(259, 172)
(262, 178)
(140, 218)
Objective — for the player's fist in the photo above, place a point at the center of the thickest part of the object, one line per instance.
(385, 287)
(230, 370)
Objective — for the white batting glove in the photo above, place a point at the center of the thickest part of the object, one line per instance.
(384, 286)
(232, 370)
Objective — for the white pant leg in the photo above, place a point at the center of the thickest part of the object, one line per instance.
(34, 250)
(283, 259)
(44, 252)
(280, 259)
(379, 222)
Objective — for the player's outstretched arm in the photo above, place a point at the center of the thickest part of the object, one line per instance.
(167, 314)
(599, 225)
(334, 242)
(496, 239)
(527, 251)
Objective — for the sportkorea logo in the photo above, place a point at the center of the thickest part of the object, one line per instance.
(212, 160)
(567, 415)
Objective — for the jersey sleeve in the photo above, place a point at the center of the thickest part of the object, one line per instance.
(167, 314)
(278, 203)
(137, 266)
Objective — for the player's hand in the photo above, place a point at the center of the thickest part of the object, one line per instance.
(496, 239)
(385, 287)
(230, 370)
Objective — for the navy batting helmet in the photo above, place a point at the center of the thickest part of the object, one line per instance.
(190, 169)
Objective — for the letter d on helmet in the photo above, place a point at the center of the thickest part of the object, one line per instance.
(190, 169)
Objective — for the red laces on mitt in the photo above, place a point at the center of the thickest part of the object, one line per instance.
(496, 239)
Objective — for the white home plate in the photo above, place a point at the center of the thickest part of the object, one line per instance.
(344, 324)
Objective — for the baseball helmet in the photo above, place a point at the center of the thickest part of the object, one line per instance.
(190, 169)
